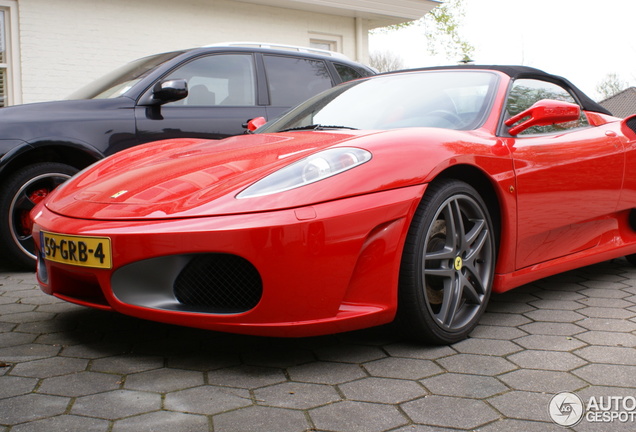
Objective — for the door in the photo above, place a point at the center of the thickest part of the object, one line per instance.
(221, 98)
(568, 179)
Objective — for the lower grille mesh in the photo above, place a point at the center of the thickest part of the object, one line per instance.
(220, 282)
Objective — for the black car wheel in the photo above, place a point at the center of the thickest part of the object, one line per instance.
(23, 190)
(448, 264)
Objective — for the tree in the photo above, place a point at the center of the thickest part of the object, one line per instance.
(611, 85)
(442, 28)
(385, 61)
(443, 31)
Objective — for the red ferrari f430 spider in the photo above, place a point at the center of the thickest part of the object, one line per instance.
(406, 197)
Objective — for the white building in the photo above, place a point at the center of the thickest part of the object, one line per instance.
(52, 47)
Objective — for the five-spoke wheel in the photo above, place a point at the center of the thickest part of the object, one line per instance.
(448, 264)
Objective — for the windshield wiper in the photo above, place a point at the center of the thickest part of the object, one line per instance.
(316, 127)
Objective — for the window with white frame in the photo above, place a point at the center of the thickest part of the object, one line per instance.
(9, 82)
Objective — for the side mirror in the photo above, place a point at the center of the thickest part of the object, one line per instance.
(255, 123)
(544, 113)
(169, 91)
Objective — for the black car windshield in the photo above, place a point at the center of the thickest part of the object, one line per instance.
(119, 81)
(457, 100)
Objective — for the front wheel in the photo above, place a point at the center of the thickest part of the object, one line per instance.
(448, 264)
(22, 191)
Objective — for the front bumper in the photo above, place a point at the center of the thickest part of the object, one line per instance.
(323, 269)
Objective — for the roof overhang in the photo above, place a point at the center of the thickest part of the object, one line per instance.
(379, 13)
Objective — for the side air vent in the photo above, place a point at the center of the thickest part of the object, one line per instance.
(221, 283)
(631, 123)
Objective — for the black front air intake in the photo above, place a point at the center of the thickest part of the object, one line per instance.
(221, 283)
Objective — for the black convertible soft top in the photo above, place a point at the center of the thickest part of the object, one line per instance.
(516, 72)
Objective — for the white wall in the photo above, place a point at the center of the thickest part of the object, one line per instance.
(68, 43)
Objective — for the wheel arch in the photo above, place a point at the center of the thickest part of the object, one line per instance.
(484, 186)
(77, 155)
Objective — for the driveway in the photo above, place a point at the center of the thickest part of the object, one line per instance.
(65, 367)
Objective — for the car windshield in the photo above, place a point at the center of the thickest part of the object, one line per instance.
(119, 81)
(457, 100)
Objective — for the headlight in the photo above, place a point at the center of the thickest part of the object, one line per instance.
(309, 170)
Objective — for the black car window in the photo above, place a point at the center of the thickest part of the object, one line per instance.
(293, 80)
(348, 73)
(218, 80)
(526, 92)
(119, 81)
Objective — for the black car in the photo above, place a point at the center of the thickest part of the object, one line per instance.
(208, 92)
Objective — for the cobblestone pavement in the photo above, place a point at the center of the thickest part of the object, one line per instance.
(69, 368)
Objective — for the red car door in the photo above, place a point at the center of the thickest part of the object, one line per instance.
(566, 184)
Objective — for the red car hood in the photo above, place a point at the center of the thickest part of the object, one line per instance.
(188, 178)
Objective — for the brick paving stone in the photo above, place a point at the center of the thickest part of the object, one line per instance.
(607, 324)
(563, 305)
(553, 315)
(259, 419)
(610, 355)
(550, 343)
(27, 352)
(503, 319)
(523, 405)
(608, 338)
(116, 404)
(125, 364)
(445, 411)
(14, 386)
(547, 360)
(511, 425)
(80, 384)
(246, 376)
(606, 302)
(418, 351)
(164, 380)
(64, 423)
(49, 367)
(208, 400)
(542, 381)
(382, 390)
(486, 346)
(497, 332)
(281, 358)
(326, 373)
(298, 395)
(607, 374)
(204, 362)
(350, 354)
(13, 339)
(162, 421)
(345, 416)
(464, 385)
(406, 368)
(552, 328)
(601, 312)
(476, 364)
(30, 407)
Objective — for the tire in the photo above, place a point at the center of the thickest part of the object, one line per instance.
(448, 264)
(23, 190)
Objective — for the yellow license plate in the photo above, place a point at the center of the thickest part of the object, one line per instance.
(76, 250)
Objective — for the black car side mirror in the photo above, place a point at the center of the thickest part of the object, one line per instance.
(169, 91)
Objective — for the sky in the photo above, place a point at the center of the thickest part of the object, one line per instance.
(582, 40)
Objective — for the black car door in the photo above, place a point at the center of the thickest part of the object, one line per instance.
(222, 96)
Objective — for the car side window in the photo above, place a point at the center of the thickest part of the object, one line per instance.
(526, 92)
(218, 80)
(293, 80)
(348, 73)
